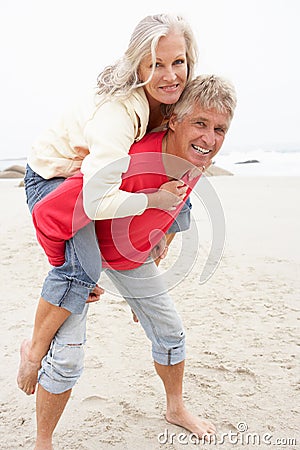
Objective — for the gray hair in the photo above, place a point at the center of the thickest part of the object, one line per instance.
(121, 78)
(208, 91)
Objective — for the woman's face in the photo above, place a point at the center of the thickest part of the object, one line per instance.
(170, 75)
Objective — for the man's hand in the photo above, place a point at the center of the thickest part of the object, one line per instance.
(160, 250)
(95, 294)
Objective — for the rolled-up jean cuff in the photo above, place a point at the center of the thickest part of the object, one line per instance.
(56, 386)
(68, 293)
(169, 357)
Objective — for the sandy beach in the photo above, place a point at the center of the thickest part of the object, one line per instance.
(242, 326)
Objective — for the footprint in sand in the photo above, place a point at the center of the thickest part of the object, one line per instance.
(94, 400)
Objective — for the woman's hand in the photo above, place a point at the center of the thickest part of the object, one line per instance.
(168, 196)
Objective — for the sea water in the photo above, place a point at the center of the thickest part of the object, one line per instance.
(5, 163)
(261, 162)
(258, 162)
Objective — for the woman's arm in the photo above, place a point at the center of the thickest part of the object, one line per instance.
(109, 134)
(60, 214)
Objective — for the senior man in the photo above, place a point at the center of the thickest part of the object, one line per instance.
(196, 131)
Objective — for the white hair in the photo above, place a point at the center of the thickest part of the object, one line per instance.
(207, 91)
(121, 78)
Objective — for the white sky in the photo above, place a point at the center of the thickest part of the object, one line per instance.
(51, 50)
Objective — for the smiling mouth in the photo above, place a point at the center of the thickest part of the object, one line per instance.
(200, 150)
(170, 88)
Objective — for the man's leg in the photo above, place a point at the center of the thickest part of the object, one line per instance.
(177, 413)
(162, 253)
(172, 376)
(49, 408)
(61, 368)
(144, 290)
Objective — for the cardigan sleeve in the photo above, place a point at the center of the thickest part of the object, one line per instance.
(109, 135)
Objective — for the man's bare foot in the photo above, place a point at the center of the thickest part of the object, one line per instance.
(28, 370)
(192, 423)
(43, 445)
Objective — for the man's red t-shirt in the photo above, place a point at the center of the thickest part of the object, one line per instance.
(126, 243)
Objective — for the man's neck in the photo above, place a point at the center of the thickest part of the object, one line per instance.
(175, 167)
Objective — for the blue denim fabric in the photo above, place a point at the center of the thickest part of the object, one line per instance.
(69, 285)
(64, 362)
(183, 220)
(145, 291)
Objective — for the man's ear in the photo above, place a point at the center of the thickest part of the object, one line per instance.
(172, 122)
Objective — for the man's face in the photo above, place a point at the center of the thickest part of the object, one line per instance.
(199, 136)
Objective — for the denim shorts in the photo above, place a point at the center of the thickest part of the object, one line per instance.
(144, 290)
(69, 285)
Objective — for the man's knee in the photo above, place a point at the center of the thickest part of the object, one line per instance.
(70, 358)
(62, 367)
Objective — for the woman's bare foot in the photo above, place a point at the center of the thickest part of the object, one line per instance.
(194, 424)
(28, 370)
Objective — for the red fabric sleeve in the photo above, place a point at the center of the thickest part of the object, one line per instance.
(58, 216)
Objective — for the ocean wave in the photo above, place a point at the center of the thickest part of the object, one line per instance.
(261, 162)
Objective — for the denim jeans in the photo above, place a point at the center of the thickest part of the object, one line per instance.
(69, 285)
(144, 290)
(183, 220)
